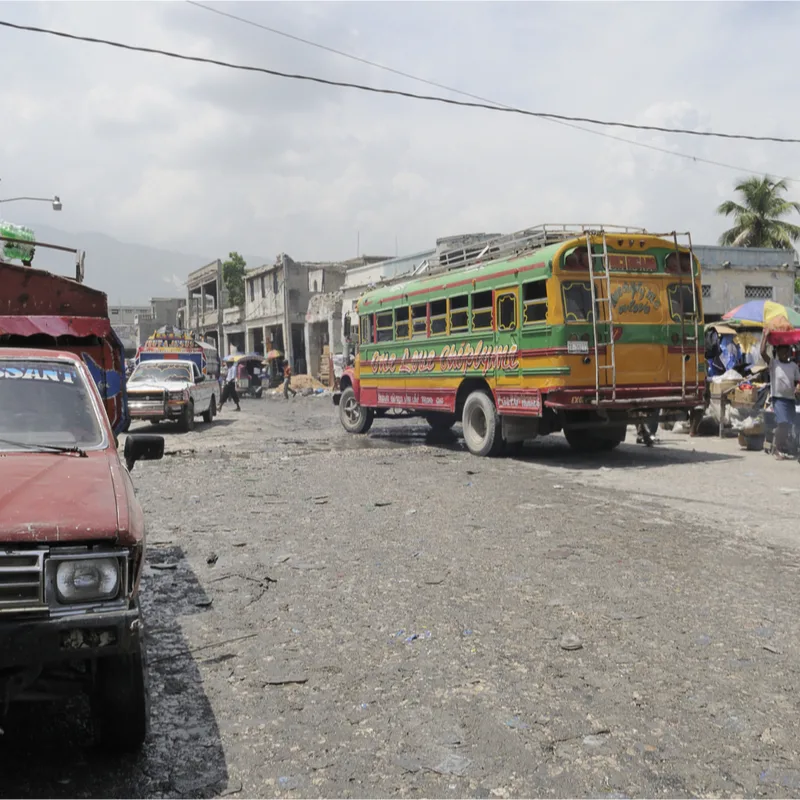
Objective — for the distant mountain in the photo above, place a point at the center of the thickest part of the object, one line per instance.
(130, 274)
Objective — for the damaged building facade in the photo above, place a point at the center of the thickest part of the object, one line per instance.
(206, 299)
(323, 317)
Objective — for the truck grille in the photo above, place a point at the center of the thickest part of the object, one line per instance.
(21, 581)
(157, 397)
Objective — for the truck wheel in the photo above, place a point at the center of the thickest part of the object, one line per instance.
(208, 416)
(186, 421)
(354, 418)
(441, 421)
(121, 702)
(481, 425)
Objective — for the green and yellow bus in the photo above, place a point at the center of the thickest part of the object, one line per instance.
(579, 329)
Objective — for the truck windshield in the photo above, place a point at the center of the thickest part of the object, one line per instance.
(153, 371)
(45, 403)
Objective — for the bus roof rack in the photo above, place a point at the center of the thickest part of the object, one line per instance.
(533, 238)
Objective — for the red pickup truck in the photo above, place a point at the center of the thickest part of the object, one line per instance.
(72, 531)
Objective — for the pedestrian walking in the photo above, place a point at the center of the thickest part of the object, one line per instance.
(784, 377)
(287, 381)
(229, 389)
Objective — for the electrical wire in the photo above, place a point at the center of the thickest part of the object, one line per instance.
(445, 87)
(393, 92)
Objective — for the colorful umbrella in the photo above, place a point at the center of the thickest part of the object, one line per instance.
(273, 354)
(763, 312)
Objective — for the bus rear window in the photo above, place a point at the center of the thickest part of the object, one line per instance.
(459, 313)
(672, 263)
(577, 302)
(680, 300)
(481, 311)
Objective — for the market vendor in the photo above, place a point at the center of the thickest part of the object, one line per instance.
(784, 377)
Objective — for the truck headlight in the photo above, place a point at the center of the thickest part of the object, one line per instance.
(82, 581)
(181, 395)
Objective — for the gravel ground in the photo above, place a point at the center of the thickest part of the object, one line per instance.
(390, 616)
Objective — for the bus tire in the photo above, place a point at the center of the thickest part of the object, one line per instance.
(354, 417)
(585, 440)
(481, 424)
(440, 420)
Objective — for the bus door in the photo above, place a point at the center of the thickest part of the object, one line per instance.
(506, 335)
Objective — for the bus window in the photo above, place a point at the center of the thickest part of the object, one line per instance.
(365, 330)
(403, 324)
(534, 302)
(675, 291)
(419, 321)
(672, 263)
(507, 311)
(481, 311)
(459, 313)
(577, 302)
(384, 323)
(438, 317)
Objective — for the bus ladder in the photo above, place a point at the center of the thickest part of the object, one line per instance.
(695, 314)
(611, 363)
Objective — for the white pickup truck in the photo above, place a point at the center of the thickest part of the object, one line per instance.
(172, 390)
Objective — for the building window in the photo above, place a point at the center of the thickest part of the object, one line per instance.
(275, 282)
(758, 293)
(315, 287)
(252, 290)
(706, 290)
(534, 302)
(263, 286)
(294, 298)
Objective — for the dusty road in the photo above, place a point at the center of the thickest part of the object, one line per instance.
(387, 616)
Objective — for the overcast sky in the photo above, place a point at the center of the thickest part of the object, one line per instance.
(200, 159)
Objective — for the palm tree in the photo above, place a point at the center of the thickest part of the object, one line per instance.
(757, 221)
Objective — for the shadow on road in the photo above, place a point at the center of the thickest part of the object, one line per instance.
(47, 750)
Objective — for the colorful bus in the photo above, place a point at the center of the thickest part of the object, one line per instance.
(580, 329)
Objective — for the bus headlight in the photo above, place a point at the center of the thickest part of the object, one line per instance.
(83, 581)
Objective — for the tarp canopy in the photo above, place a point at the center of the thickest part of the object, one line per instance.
(54, 326)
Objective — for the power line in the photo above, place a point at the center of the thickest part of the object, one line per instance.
(376, 65)
(394, 92)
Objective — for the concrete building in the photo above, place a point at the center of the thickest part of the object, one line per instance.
(206, 298)
(324, 316)
(163, 311)
(123, 321)
(733, 275)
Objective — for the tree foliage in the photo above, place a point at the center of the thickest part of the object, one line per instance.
(758, 218)
(233, 276)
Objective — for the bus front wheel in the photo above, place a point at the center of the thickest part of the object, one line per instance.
(354, 417)
(481, 425)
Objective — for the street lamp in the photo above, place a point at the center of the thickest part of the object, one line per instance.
(56, 200)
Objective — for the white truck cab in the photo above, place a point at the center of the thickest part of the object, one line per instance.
(172, 389)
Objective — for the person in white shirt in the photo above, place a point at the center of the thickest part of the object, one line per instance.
(229, 389)
(784, 377)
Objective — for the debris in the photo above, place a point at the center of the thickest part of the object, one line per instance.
(212, 559)
(204, 603)
(186, 653)
(467, 632)
(411, 511)
(306, 566)
(569, 641)
(240, 544)
(382, 503)
(321, 501)
(595, 739)
(285, 681)
(165, 566)
(558, 486)
(435, 581)
(517, 724)
(415, 636)
(287, 783)
(770, 649)
(703, 640)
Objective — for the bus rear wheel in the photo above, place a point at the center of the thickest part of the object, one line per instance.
(587, 440)
(354, 417)
(481, 425)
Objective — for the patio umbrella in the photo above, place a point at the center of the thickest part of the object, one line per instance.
(273, 354)
(763, 312)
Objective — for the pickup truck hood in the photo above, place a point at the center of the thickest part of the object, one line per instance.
(51, 497)
(152, 386)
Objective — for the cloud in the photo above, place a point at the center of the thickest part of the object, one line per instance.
(198, 159)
